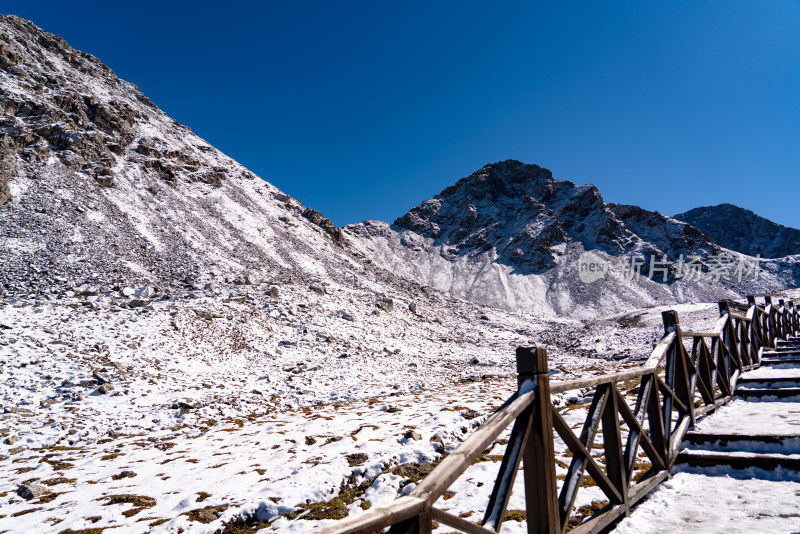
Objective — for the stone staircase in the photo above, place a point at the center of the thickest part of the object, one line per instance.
(761, 428)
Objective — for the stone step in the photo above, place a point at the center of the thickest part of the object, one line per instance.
(739, 460)
(786, 351)
(768, 392)
(778, 361)
(772, 382)
(733, 440)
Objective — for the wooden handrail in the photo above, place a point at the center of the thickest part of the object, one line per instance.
(675, 387)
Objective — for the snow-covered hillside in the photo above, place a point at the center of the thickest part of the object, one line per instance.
(104, 187)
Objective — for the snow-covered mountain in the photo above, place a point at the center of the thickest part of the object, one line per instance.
(512, 236)
(99, 185)
(742, 230)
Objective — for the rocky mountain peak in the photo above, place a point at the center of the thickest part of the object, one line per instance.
(510, 178)
(512, 236)
(671, 236)
(517, 211)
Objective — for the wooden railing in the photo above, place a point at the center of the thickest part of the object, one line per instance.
(642, 415)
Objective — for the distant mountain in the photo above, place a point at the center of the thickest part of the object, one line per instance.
(742, 230)
(512, 236)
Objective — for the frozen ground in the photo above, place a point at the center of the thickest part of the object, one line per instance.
(206, 405)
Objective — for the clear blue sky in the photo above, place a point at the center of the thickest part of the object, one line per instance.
(364, 109)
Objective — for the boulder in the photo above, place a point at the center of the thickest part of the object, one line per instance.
(411, 434)
(101, 376)
(385, 304)
(32, 491)
(342, 314)
(105, 177)
(138, 303)
(316, 289)
(146, 292)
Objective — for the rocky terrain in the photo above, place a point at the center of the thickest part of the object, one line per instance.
(101, 186)
(742, 230)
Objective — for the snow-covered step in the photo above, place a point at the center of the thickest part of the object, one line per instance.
(770, 382)
(783, 351)
(757, 443)
(739, 460)
(780, 360)
(781, 393)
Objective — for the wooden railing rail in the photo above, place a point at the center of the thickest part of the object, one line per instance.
(675, 386)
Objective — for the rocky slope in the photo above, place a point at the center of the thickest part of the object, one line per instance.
(671, 236)
(99, 186)
(742, 230)
(512, 236)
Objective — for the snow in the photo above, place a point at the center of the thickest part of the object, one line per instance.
(727, 500)
(723, 499)
(754, 416)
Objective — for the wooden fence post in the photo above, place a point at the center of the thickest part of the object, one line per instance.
(538, 459)
(770, 321)
(677, 374)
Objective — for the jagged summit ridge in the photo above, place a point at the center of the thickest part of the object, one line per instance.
(520, 212)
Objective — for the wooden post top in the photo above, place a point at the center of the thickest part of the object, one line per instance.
(671, 321)
(751, 299)
(768, 299)
(724, 307)
(780, 302)
(532, 360)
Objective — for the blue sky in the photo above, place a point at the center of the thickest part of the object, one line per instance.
(364, 109)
